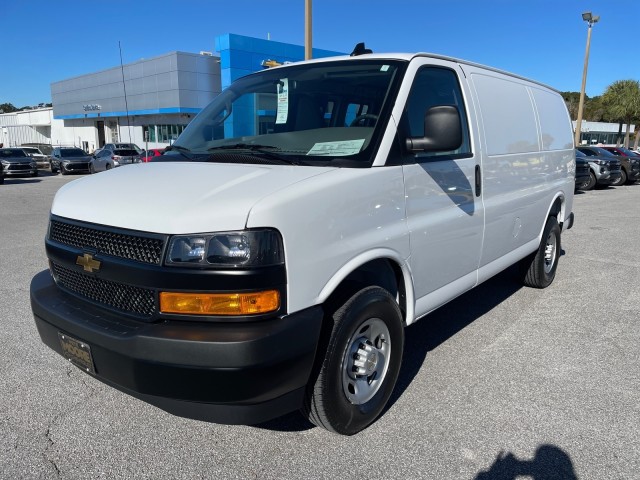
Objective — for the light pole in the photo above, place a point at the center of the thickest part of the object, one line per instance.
(308, 48)
(590, 19)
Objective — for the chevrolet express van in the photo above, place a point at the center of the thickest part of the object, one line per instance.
(306, 216)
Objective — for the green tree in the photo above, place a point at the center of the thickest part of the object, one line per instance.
(572, 99)
(7, 108)
(622, 102)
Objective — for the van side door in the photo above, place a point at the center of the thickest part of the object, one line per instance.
(444, 208)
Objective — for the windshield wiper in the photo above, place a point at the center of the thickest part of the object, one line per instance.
(244, 146)
(267, 151)
(181, 150)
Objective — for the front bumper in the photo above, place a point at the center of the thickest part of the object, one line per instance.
(21, 171)
(75, 167)
(233, 373)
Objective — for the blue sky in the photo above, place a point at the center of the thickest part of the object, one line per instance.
(50, 40)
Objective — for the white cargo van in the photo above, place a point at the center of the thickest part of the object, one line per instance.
(272, 259)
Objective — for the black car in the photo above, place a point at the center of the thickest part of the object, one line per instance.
(16, 163)
(70, 160)
(583, 178)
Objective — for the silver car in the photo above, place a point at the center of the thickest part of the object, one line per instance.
(17, 163)
(69, 160)
(41, 159)
(102, 160)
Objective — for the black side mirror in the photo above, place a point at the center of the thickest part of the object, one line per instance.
(442, 131)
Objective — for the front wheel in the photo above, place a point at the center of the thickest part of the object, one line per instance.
(539, 268)
(620, 181)
(591, 183)
(361, 363)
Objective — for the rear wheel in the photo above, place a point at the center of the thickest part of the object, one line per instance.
(539, 268)
(108, 166)
(361, 363)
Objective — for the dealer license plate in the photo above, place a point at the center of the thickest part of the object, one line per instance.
(77, 352)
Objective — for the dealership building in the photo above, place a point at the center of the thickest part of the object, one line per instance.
(148, 102)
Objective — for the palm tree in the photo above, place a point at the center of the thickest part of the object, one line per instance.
(622, 100)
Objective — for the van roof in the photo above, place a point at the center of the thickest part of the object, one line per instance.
(409, 56)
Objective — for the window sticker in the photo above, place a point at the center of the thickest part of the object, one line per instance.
(337, 149)
(283, 101)
(384, 68)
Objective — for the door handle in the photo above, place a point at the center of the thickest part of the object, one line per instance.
(478, 181)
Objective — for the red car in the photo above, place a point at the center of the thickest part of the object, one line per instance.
(149, 155)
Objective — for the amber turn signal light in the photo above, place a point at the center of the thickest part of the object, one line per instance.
(220, 303)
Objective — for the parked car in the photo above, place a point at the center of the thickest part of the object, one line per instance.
(101, 161)
(70, 160)
(16, 163)
(42, 160)
(122, 146)
(582, 171)
(125, 156)
(149, 155)
(605, 167)
(630, 163)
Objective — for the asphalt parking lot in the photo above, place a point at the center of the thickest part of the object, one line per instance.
(505, 382)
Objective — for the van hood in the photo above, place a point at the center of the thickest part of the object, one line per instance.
(175, 197)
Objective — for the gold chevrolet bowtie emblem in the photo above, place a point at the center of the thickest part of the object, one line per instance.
(88, 263)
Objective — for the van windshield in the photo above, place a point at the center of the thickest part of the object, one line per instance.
(310, 114)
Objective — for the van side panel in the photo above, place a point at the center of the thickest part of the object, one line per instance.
(520, 179)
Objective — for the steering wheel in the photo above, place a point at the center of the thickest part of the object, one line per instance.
(359, 118)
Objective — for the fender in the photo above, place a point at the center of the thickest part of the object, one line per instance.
(376, 254)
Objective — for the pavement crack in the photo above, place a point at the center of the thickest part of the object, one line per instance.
(50, 444)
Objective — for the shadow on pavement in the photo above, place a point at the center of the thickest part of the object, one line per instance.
(549, 463)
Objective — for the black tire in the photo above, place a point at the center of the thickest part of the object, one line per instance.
(591, 183)
(63, 171)
(107, 166)
(361, 363)
(620, 181)
(539, 268)
(34, 174)
(1, 180)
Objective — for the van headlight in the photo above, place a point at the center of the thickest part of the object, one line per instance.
(246, 248)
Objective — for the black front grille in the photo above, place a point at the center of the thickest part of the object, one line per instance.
(77, 166)
(615, 168)
(19, 166)
(140, 248)
(125, 298)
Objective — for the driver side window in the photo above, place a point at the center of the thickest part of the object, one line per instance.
(435, 86)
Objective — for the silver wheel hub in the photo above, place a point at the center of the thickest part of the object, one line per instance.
(550, 253)
(366, 361)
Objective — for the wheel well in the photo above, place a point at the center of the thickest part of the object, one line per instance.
(382, 272)
(556, 209)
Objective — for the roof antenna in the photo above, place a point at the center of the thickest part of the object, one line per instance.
(360, 50)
